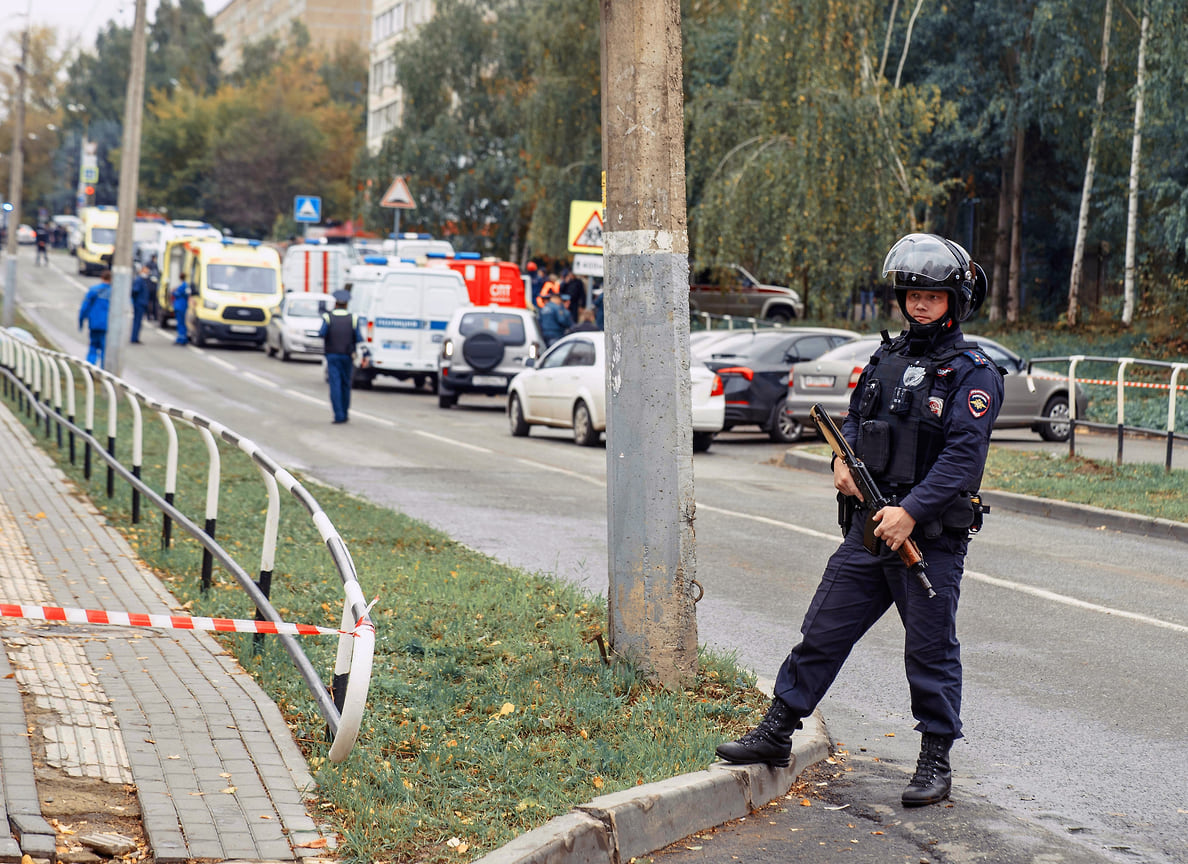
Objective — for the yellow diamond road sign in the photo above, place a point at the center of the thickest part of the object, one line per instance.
(585, 227)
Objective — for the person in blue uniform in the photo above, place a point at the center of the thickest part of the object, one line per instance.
(920, 419)
(181, 302)
(554, 318)
(94, 313)
(340, 330)
(140, 301)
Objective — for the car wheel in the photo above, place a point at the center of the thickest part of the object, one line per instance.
(1056, 413)
(447, 400)
(269, 350)
(780, 315)
(285, 354)
(515, 417)
(584, 433)
(199, 335)
(162, 317)
(702, 441)
(784, 429)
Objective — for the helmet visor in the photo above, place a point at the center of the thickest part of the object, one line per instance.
(925, 256)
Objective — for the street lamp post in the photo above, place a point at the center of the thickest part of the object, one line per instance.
(14, 185)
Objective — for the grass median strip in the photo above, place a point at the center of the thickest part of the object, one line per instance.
(491, 709)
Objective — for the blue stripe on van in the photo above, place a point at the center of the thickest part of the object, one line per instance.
(401, 323)
(438, 325)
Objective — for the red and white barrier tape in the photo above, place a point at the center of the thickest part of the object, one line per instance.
(166, 622)
(1148, 385)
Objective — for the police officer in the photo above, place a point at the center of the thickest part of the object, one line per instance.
(340, 330)
(920, 418)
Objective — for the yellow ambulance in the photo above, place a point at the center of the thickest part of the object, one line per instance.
(97, 243)
(234, 286)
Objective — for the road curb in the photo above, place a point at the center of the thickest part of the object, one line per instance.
(623, 825)
(1077, 514)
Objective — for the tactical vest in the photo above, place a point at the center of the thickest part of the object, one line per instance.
(900, 434)
(340, 335)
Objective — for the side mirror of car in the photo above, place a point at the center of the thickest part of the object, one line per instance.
(529, 362)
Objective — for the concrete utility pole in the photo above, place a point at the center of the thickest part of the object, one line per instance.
(15, 181)
(649, 450)
(121, 264)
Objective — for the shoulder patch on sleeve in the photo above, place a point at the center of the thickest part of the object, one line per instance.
(979, 402)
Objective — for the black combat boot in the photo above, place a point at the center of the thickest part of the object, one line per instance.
(770, 741)
(933, 778)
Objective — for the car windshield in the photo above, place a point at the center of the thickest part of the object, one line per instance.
(508, 329)
(103, 236)
(305, 307)
(241, 279)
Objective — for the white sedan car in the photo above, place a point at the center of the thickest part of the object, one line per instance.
(566, 389)
(294, 325)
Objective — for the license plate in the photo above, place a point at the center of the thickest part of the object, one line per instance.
(397, 346)
(242, 328)
(817, 380)
(488, 380)
(313, 334)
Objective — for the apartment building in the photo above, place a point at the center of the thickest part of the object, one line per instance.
(391, 21)
(329, 22)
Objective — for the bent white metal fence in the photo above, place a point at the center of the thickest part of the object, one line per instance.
(42, 382)
(1120, 383)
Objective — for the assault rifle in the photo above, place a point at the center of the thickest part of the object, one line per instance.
(874, 500)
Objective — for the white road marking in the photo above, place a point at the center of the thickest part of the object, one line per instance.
(252, 376)
(596, 481)
(1064, 599)
(380, 420)
(1042, 593)
(445, 440)
(306, 397)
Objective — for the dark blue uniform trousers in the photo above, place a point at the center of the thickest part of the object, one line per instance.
(855, 591)
(338, 370)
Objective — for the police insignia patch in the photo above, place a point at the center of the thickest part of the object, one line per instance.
(913, 375)
(941, 373)
(978, 358)
(936, 405)
(979, 402)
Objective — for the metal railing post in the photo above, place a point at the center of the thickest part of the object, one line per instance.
(1122, 364)
(170, 477)
(112, 420)
(1177, 368)
(137, 451)
(212, 502)
(88, 418)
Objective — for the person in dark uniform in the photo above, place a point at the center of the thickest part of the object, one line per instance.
(340, 330)
(920, 419)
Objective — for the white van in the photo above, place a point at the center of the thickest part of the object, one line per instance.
(413, 247)
(317, 267)
(403, 312)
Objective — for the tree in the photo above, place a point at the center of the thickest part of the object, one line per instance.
(1074, 283)
(808, 155)
(1135, 158)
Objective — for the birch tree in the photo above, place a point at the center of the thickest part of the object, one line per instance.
(1074, 282)
(1135, 154)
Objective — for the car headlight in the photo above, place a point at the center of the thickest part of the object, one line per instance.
(209, 304)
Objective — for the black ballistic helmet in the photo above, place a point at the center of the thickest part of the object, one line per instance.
(932, 263)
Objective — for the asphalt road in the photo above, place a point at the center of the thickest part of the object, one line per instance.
(1075, 640)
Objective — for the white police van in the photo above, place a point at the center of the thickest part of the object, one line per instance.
(403, 311)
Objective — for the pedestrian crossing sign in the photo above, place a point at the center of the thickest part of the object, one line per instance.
(307, 208)
(585, 227)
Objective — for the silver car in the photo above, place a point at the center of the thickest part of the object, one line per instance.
(295, 324)
(1038, 401)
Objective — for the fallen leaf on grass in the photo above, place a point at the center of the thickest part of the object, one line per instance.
(805, 802)
(320, 843)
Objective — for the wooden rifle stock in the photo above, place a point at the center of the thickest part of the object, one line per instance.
(874, 500)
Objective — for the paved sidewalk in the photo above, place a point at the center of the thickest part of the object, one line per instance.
(166, 714)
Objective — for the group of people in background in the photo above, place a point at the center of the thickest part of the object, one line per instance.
(561, 301)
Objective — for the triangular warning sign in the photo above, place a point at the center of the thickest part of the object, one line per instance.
(398, 196)
(307, 210)
(590, 237)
